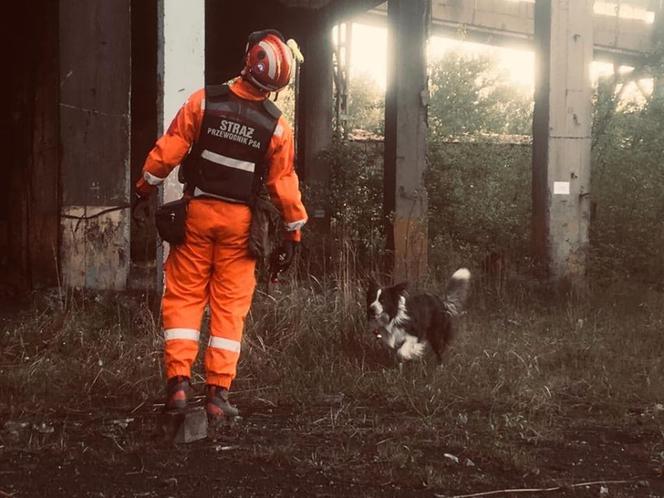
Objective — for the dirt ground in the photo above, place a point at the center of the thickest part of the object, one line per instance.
(287, 451)
(527, 398)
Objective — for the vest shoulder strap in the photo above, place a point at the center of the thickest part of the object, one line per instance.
(217, 90)
(271, 108)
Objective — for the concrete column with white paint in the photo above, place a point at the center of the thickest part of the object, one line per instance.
(562, 138)
(181, 63)
(181, 66)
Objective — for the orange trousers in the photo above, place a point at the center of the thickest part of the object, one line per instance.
(212, 267)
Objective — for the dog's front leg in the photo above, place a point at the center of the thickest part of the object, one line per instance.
(410, 349)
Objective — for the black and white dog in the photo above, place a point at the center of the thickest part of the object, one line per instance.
(407, 324)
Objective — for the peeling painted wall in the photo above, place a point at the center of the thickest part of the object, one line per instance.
(95, 252)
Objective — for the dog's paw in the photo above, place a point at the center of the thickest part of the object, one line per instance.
(411, 349)
(419, 349)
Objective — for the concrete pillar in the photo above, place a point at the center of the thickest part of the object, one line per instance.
(562, 138)
(95, 76)
(181, 63)
(181, 67)
(315, 113)
(406, 100)
(658, 34)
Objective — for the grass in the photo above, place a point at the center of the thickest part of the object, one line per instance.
(524, 376)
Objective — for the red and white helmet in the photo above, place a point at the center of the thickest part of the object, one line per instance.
(268, 61)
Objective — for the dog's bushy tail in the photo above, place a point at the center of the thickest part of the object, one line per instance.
(457, 292)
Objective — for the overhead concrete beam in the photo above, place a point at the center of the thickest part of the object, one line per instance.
(306, 4)
(503, 22)
(406, 100)
(562, 139)
(345, 10)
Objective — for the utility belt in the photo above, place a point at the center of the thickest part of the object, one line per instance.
(171, 220)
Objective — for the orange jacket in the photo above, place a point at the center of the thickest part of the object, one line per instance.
(282, 181)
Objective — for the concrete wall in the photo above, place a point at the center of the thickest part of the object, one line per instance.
(29, 222)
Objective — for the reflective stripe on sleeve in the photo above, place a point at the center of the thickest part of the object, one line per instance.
(295, 225)
(186, 334)
(279, 131)
(228, 161)
(152, 179)
(225, 344)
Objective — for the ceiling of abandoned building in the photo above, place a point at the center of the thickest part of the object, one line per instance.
(310, 4)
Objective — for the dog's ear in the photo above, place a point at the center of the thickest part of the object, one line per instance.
(400, 288)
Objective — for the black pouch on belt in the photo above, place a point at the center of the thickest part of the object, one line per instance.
(170, 219)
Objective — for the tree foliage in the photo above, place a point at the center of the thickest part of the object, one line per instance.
(367, 105)
(627, 232)
(471, 94)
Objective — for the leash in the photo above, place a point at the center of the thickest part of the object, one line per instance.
(96, 215)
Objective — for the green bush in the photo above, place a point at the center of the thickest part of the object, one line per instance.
(479, 200)
(627, 229)
(352, 233)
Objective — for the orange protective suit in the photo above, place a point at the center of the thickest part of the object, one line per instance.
(213, 265)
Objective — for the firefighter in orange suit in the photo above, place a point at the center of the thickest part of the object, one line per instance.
(233, 138)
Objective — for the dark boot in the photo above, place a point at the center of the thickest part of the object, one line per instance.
(177, 393)
(217, 404)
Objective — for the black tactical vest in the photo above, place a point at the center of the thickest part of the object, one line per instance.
(228, 160)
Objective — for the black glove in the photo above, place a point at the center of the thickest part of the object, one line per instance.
(283, 257)
(141, 209)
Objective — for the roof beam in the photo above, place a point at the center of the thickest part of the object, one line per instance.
(504, 22)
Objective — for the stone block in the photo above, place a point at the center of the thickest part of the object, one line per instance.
(185, 427)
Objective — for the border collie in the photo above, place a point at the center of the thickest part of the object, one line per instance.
(407, 324)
